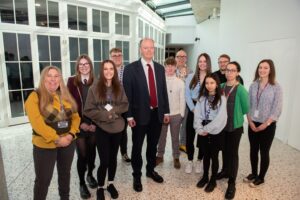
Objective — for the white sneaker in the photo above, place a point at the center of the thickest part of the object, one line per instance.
(198, 167)
(189, 167)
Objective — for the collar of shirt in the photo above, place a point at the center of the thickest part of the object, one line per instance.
(84, 77)
(144, 63)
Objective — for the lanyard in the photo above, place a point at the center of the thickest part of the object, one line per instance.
(258, 95)
(207, 112)
(230, 91)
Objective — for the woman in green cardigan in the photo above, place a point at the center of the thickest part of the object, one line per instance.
(237, 107)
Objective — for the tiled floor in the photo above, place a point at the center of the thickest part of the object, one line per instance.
(282, 180)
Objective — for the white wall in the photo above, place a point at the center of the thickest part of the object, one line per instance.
(251, 30)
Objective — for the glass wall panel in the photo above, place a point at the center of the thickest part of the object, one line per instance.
(27, 75)
(96, 20)
(72, 17)
(41, 13)
(55, 48)
(43, 47)
(118, 27)
(21, 12)
(83, 44)
(146, 30)
(13, 76)
(7, 12)
(126, 27)
(53, 14)
(141, 29)
(16, 103)
(97, 49)
(10, 46)
(82, 15)
(105, 21)
(105, 49)
(24, 47)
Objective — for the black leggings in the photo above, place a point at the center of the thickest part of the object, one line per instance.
(261, 141)
(210, 147)
(190, 138)
(108, 146)
(86, 151)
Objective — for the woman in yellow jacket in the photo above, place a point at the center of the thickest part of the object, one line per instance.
(53, 115)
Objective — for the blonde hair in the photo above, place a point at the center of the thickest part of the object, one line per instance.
(45, 98)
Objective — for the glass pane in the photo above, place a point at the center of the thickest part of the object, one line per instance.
(155, 35)
(163, 39)
(97, 49)
(16, 104)
(57, 64)
(72, 17)
(26, 93)
(43, 65)
(73, 66)
(146, 30)
(126, 25)
(119, 44)
(96, 20)
(7, 12)
(141, 28)
(118, 27)
(151, 32)
(73, 48)
(105, 49)
(126, 50)
(43, 47)
(53, 14)
(41, 13)
(96, 68)
(10, 46)
(13, 76)
(105, 21)
(27, 75)
(24, 47)
(21, 12)
(83, 42)
(55, 48)
(82, 18)
(155, 53)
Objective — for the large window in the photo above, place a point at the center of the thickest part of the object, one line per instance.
(146, 30)
(49, 51)
(100, 21)
(77, 46)
(122, 24)
(77, 18)
(47, 13)
(14, 11)
(18, 63)
(101, 52)
(124, 45)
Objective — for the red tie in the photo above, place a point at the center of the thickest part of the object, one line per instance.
(153, 98)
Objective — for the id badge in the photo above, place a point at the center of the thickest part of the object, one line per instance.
(108, 107)
(256, 113)
(62, 124)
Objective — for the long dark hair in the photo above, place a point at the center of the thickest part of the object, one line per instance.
(272, 73)
(195, 78)
(77, 79)
(101, 85)
(204, 92)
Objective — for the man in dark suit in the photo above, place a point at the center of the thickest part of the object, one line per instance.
(145, 86)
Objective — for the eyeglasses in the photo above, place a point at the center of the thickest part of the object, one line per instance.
(117, 56)
(180, 57)
(230, 70)
(84, 64)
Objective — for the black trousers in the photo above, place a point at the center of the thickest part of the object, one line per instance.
(152, 130)
(108, 147)
(210, 146)
(44, 162)
(124, 139)
(261, 142)
(86, 151)
(190, 138)
(231, 153)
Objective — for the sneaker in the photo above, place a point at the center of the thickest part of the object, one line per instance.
(250, 178)
(257, 182)
(112, 191)
(100, 194)
(126, 158)
(177, 164)
(91, 181)
(182, 148)
(159, 160)
(189, 167)
(198, 166)
(84, 192)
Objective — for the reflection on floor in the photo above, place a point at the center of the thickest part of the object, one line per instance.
(282, 180)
